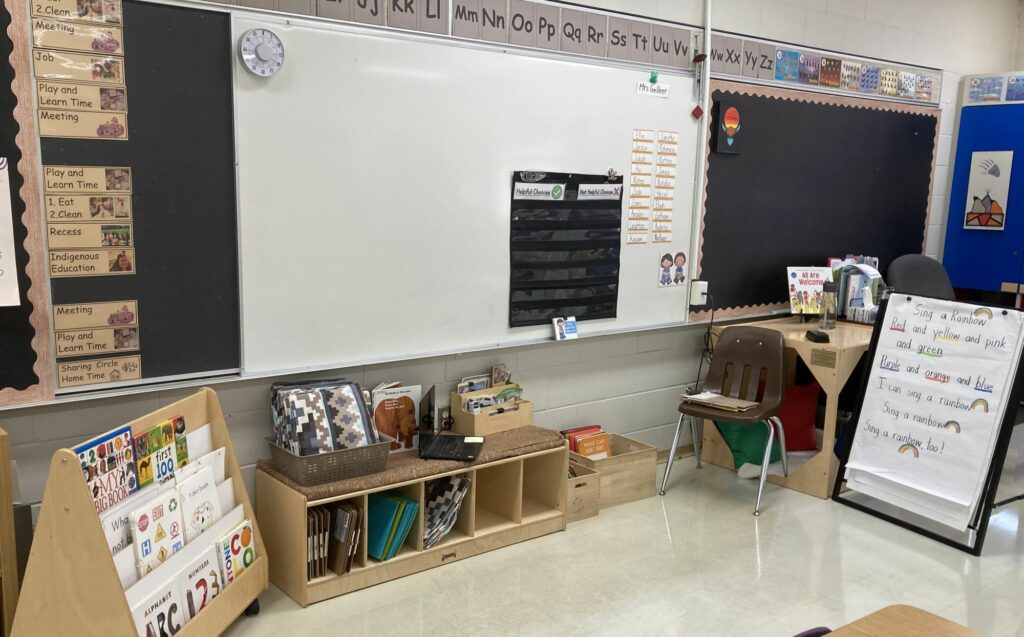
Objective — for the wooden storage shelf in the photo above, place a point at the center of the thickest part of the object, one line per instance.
(509, 501)
(71, 586)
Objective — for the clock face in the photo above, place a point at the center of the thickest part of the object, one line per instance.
(261, 52)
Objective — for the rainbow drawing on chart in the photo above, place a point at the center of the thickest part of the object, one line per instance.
(952, 425)
(983, 312)
(911, 449)
(980, 403)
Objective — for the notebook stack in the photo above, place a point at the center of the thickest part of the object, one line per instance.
(390, 516)
(345, 536)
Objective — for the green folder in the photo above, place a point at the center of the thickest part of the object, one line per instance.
(406, 518)
(395, 521)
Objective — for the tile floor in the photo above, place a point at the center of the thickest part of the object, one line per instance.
(695, 562)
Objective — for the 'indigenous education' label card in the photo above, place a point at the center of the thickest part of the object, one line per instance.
(99, 371)
(68, 263)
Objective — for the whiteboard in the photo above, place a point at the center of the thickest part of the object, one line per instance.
(374, 187)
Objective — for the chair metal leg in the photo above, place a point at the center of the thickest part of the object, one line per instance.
(672, 454)
(782, 445)
(764, 466)
(697, 433)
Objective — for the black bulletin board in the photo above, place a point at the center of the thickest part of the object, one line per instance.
(809, 180)
(16, 332)
(181, 151)
(564, 251)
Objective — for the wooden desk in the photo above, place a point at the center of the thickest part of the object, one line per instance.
(906, 621)
(831, 364)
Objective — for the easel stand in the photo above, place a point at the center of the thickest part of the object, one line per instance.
(71, 586)
(973, 539)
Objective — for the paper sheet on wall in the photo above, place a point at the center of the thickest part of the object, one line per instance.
(937, 393)
(9, 293)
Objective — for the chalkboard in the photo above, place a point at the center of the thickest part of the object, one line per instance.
(181, 151)
(808, 177)
(16, 331)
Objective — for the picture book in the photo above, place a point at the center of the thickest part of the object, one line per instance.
(200, 582)
(157, 531)
(805, 288)
(116, 521)
(565, 328)
(396, 412)
(594, 446)
(200, 503)
(156, 451)
(236, 551)
(108, 466)
(162, 613)
(180, 441)
(214, 459)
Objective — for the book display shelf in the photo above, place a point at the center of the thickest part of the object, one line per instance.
(71, 586)
(510, 500)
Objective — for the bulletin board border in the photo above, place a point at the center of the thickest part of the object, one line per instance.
(809, 97)
(976, 531)
(27, 141)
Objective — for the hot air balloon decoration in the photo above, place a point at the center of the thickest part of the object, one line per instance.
(730, 126)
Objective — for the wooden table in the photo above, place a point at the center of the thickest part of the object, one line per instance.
(831, 364)
(905, 621)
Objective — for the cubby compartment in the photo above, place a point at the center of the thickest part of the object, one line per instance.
(464, 520)
(543, 486)
(499, 496)
(336, 556)
(381, 536)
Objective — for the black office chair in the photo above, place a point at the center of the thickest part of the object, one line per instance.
(920, 275)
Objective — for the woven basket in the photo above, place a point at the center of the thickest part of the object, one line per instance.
(334, 465)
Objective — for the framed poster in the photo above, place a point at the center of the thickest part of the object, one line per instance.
(987, 190)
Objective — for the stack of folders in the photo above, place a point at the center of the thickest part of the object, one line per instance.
(390, 516)
(345, 537)
(318, 528)
(444, 498)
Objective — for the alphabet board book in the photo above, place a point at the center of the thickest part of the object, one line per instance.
(162, 613)
(157, 531)
(237, 551)
(200, 503)
(201, 582)
(108, 465)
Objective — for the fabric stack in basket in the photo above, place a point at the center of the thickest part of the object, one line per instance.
(321, 416)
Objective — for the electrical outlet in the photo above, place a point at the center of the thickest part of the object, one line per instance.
(444, 418)
(698, 293)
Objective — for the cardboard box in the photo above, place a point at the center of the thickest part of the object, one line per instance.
(629, 474)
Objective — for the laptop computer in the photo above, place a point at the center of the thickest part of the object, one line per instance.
(450, 447)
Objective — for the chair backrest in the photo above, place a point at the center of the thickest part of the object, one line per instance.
(920, 275)
(744, 356)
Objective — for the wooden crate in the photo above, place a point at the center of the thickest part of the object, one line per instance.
(628, 474)
(584, 499)
(484, 424)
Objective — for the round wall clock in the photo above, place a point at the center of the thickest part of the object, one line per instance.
(261, 52)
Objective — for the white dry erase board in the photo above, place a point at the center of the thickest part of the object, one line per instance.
(934, 406)
(374, 178)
